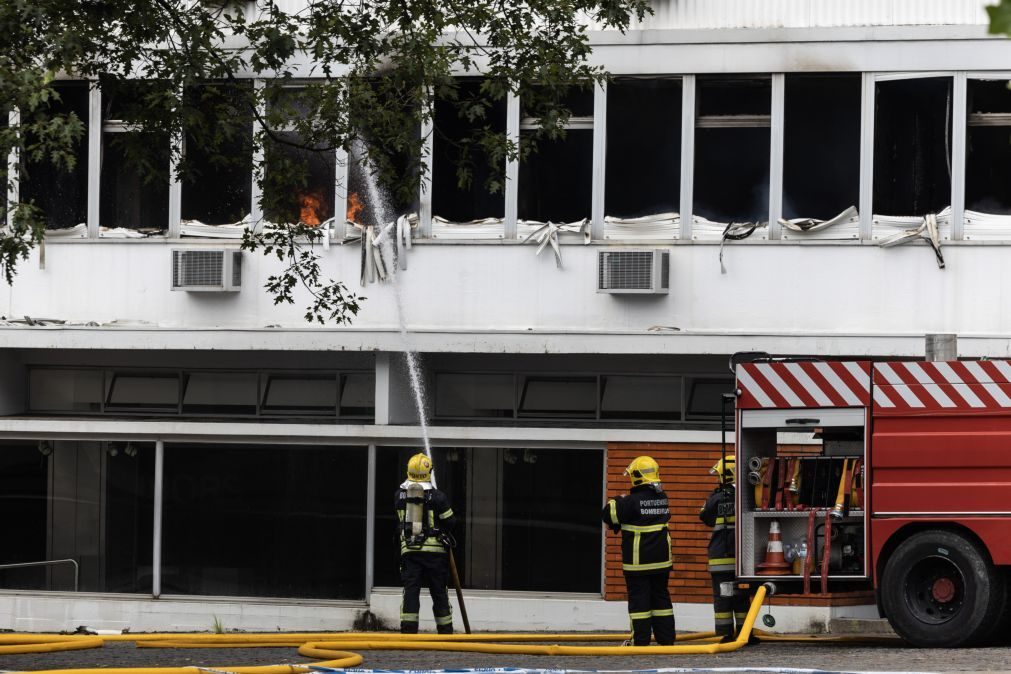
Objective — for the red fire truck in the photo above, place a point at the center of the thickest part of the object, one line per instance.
(894, 476)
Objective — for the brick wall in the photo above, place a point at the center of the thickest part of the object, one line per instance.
(684, 470)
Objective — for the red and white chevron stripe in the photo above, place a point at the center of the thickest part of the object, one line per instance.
(803, 384)
(955, 386)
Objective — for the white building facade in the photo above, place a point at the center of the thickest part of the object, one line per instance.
(202, 454)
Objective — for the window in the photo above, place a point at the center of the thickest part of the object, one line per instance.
(65, 390)
(135, 164)
(300, 179)
(732, 140)
(643, 147)
(217, 166)
(127, 392)
(912, 146)
(558, 397)
(299, 394)
(556, 180)
(358, 395)
(24, 476)
(88, 501)
(474, 395)
(511, 516)
(459, 124)
(569, 399)
(232, 512)
(218, 393)
(988, 147)
(222, 393)
(821, 146)
(637, 397)
(705, 398)
(62, 194)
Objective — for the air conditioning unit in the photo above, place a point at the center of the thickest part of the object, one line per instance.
(206, 270)
(642, 272)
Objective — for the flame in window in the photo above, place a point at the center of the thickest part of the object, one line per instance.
(355, 206)
(310, 207)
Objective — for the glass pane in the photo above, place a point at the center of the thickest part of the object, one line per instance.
(65, 390)
(299, 182)
(631, 397)
(508, 521)
(643, 169)
(705, 398)
(569, 397)
(732, 139)
(988, 148)
(300, 394)
(87, 501)
(129, 517)
(142, 392)
(220, 393)
(128, 198)
(474, 395)
(455, 146)
(821, 148)
(24, 478)
(542, 522)
(231, 512)
(912, 146)
(555, 182)
(62, 194)
(217, 169)
(358, 395)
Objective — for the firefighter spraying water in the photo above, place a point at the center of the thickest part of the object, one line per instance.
(426, 543)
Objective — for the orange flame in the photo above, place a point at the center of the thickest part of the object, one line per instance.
(355, 206)
(310, 207)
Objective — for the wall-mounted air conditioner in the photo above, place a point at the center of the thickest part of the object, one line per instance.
(642, 272)
(206, 270)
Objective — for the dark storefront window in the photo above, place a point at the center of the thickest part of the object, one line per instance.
(518, 527)
(264, 521)
(91, 502)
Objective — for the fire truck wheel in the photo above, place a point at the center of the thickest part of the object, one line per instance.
(939, 589)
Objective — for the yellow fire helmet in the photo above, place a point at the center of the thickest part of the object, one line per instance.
(724, 468)
(643, 470)
(419, 468)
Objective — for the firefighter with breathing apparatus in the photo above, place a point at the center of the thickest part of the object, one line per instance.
(730, 603)
(646, 559)
(426, 525)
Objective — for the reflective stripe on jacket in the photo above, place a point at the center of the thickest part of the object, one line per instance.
(642, 518)
(718, 513)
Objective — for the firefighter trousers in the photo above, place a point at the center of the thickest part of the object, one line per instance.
(730, 603)
(431, 570)
(649, 608)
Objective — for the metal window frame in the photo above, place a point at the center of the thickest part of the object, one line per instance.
(182, 373)
(870, 82)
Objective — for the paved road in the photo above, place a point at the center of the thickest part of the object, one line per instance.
(835, 657)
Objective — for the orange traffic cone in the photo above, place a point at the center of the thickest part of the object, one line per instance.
(775, 563)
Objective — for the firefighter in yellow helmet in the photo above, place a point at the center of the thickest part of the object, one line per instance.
(730, 603)
(426, 526)
(646, 560)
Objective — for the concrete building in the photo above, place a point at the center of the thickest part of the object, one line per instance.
(209, 454)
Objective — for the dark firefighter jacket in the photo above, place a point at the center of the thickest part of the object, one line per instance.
(642, 518)
(438, 520)
(718, 513)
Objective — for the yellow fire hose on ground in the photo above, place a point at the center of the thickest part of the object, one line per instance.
(335, 650)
